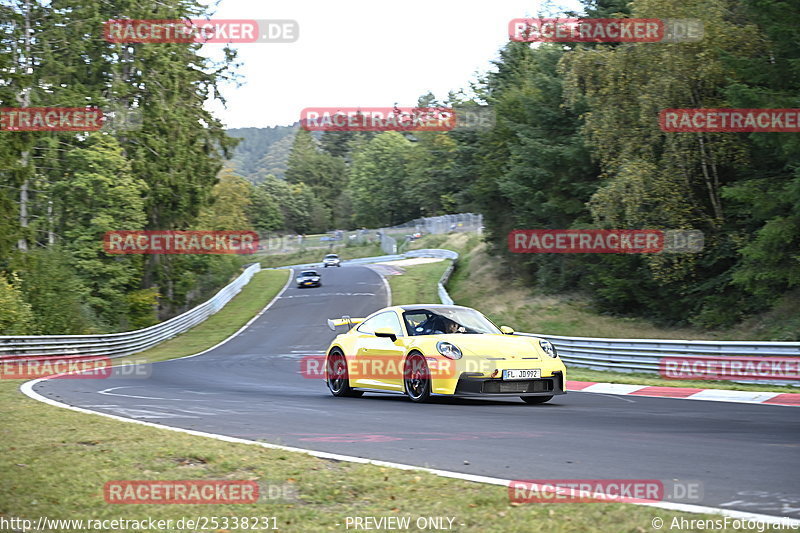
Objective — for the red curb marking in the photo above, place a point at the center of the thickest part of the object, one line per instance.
(579, 385)
(785, 399)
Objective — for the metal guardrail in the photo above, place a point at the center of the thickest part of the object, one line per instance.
(430, 252)
(126, 343)
(444, 296)
(620, 355)
(130, 342)
(645, 355)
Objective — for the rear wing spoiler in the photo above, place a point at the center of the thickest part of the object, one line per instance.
(344, 321)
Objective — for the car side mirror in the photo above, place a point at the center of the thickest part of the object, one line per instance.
(386, 332)
(507, 330)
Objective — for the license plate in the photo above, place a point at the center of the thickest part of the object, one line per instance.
(531, 373)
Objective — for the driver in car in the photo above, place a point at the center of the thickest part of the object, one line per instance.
(438, 324)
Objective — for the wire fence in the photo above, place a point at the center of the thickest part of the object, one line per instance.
(391, 239)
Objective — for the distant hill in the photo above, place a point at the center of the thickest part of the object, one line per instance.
(262, 151)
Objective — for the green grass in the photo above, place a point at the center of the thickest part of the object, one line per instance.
(57, 461)
(417, 284)
(264, 286)
(315, 256)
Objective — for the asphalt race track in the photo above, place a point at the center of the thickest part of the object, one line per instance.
(746, 456)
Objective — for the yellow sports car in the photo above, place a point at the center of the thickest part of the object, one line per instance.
(427, 350)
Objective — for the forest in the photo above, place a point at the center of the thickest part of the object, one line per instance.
(575, 143)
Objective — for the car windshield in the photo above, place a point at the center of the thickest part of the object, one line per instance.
(307, 273)
(447, 320)
(332, 256)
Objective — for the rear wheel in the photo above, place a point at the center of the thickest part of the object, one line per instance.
(417, 378)
(536, 399)
(336, 375)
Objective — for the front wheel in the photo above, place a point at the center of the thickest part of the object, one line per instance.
(336, 376)
(536, 399)
(417, 378)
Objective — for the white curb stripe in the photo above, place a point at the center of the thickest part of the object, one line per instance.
(612, 388)
(719, 395)
(710, 395)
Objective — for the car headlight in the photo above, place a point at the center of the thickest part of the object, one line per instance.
(548, 348)
(448, 349)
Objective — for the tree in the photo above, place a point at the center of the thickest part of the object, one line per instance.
(55, 293)
(379, 181)
(264, 213)
(653, 179)
(230, 205)
(16, 315)
(322, 172)
(98, 193)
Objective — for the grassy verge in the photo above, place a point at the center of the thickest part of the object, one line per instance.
(479, 282)
(315, 256)
(252, 298)
(57, 462)
(417, 284)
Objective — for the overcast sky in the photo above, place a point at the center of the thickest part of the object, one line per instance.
(369, 53)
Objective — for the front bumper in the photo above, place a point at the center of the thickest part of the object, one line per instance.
(494, 387)
(309, 284)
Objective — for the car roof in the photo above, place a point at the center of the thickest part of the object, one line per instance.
(432, 307)
(417, 307)
(313, 272)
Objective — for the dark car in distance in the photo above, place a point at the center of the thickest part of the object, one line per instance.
(308, 278)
